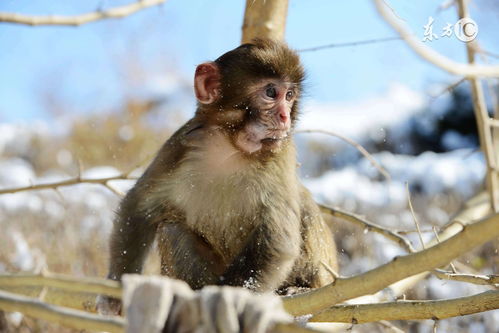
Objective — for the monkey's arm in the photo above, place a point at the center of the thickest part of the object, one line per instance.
(131, 238)
(187, 256)
(268, 256)
(144, 207)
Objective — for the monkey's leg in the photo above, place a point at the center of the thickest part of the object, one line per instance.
(267, 258)
(187, 256)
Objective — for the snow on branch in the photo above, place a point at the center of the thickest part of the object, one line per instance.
(429, 54)
(76, 20)
(410, 310)
(399, 268)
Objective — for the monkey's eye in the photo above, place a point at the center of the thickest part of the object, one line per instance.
(289, 95)
(271, 92)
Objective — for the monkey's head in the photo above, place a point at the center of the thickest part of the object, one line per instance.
(252, 93)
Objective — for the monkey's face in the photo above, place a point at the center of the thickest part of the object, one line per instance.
(267, 116)
(251, 93)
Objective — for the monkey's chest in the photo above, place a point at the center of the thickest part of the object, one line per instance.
(224, 210)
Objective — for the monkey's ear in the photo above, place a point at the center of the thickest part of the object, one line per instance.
(207, 83)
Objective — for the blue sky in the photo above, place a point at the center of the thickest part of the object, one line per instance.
(83, 66)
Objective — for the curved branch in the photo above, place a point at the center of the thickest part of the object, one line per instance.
(64, 316)
(410, 310)
(76, 20)
(361, 149)
(394, 236)
(429, 54)
(399, 268)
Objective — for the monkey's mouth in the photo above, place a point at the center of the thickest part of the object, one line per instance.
(274, 139)
(275, 135)
(256, 136)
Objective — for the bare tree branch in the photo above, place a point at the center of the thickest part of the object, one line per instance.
(399, 268)
(361, 149)
(76, 20)
(410, 310)
(449, 88)
(64, 282)
(64, 316)
(370, 226)
(72, 181)
(491, 280)
(431, 55)
(348, 44)
(414, 215)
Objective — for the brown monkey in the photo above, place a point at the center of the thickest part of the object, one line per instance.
(222, 197)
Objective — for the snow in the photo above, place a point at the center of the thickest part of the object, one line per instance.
(23, 258)
(429, 173)
(16, 172)
(101, 172)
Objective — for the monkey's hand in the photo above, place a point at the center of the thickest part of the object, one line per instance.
(109, 306)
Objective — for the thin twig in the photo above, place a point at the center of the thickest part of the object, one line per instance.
(414, 215)
(490, 280)
(488, 53)
(348, 44)
(330, 270)
(402, 241)
(76, 20)
(68, 182)
(406, 232)
(438, 241)
(115, 190)
(449, 88)
(361, 149)
(435, 325)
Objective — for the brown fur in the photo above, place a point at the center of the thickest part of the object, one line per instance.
(220, 215)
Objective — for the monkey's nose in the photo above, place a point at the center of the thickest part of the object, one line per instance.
(283, 116)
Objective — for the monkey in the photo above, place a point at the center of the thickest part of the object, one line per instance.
(222, 198)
